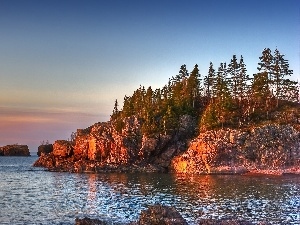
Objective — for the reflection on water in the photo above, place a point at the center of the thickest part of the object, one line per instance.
(33, 196)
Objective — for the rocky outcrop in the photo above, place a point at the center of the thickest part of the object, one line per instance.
(14, 150)
(101, 148)
(270, 148)
(45, 149)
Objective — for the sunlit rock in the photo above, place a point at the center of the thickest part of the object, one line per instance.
(269, 147)
(62, 148)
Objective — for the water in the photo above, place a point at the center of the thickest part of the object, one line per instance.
(31, 195)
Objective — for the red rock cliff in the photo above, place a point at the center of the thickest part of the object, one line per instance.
(269, 147)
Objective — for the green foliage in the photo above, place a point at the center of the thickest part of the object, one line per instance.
(227, 97)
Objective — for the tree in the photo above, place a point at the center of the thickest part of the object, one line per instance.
(283, 87)
(261, 95)
(115, 110)
(233, 67)
(209, 81)
(242, 79)
(223, 101)
(265, 65)
(192, 90)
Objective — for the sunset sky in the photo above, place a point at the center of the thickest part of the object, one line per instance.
(63, 63)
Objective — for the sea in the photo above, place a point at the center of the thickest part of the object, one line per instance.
(30, 195)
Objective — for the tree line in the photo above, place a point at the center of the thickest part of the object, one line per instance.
(225, 96)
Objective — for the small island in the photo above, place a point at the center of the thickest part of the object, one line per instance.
(225, 122)
(14, 150)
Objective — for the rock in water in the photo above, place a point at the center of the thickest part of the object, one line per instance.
(45, 149)
(162, 215)
(14, 150)
(88, 221)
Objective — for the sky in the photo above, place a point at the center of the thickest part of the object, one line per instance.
(63, 63)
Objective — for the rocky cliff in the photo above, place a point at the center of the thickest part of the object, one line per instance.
(102, 148)
(14, 150)
(267, 149)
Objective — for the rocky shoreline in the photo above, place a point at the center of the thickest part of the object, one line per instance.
(267, 149)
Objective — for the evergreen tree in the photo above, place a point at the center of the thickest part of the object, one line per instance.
(233, 67)
(223, 100)
(192, 92)
(283, 87)
(266, 65)
(242, 79)
(115, 110)
(209, 81)
(261, 96)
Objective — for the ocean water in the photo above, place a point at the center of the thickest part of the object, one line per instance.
(31, 195)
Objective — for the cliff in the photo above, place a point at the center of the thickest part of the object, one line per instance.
(264, 149)
(14, 150)
(102, 148)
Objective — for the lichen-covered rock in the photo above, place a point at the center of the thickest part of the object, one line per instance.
(273, 147)
(14, 150)
(45, 148)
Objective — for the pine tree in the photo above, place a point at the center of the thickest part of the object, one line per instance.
(116, 110)
(266, 65)
(192, 92)
(242, 79)
(209, 81)
(283, 87)
(223, 100)
(261, 95)
(233, 67)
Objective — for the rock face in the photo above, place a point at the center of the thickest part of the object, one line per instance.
(62, 149)
(269, 147)
(14, 150)
(101, 148)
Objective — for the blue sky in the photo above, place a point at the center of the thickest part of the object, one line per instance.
(63, 63)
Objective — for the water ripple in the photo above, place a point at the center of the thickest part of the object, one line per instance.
(33, 196)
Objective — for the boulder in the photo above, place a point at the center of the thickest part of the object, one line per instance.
(154, 215)
(88, 221)
(14, 150)
(162, 215)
